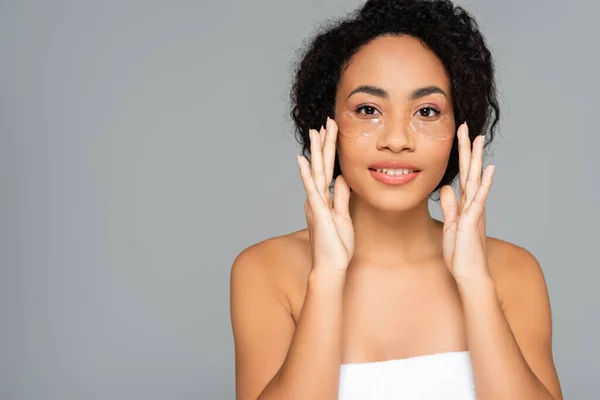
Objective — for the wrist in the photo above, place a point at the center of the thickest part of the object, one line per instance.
(475, 285)
(327, 276)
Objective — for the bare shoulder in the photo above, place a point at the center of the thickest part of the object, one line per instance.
(515, 270)
(506, 256)
(261, 307)
(283, 261)
(523, 294)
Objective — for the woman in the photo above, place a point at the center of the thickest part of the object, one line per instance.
(376, 299)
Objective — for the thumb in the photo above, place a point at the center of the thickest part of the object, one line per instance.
(341, 197)
(449, 210)
(448, 205)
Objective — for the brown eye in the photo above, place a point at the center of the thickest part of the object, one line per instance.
(428, 112)
(368, 110)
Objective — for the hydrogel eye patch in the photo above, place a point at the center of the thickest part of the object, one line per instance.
(354, 126)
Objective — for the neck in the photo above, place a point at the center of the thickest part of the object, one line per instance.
(387, 238)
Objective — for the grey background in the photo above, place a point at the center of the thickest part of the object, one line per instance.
(144, 144)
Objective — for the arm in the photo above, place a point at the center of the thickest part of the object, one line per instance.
(511, 341)
(274, 358)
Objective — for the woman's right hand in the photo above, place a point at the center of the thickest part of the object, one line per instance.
(329, 226)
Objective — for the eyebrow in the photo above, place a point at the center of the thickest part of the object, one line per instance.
(415, 94)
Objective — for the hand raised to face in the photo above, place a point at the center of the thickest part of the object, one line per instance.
(330, 227)
(464, 234)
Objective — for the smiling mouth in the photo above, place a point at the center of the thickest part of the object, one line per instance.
(395, 171)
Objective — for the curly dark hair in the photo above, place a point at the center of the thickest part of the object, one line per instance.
(448, 30)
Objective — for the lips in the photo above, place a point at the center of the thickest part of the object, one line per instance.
(393, 179)
(393, 172)
(393, 165)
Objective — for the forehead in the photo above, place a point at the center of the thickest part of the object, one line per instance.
(398, 63)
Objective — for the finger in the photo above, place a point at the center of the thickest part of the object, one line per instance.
(448, 205)
(308, 215)
(315, 199)
(326, 194)
(316, 160)
(341, 197)
(329, 149)
(449, 211)
(323, 137)
(475, 209)
(464, 155)
(341, 213)
(482, 223)
(474, 176)
(307, 179)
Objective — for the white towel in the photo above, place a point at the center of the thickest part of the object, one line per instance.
(446, 376)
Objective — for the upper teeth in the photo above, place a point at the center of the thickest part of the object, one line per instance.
(390, 171)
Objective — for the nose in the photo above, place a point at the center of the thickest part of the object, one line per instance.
(396, 136)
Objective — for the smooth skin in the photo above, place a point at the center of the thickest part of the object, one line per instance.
(374, 277)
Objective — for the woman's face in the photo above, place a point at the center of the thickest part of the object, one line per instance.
(402, 114)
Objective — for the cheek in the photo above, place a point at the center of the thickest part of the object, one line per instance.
(438, 151)
(354, 144)
(351, 150)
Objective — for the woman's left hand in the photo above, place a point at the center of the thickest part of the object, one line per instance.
(464, 236)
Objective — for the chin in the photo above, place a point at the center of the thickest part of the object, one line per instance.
(395, 199)
(400, 205)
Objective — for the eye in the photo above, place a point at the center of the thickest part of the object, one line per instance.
(368, 110)
(428, 112)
